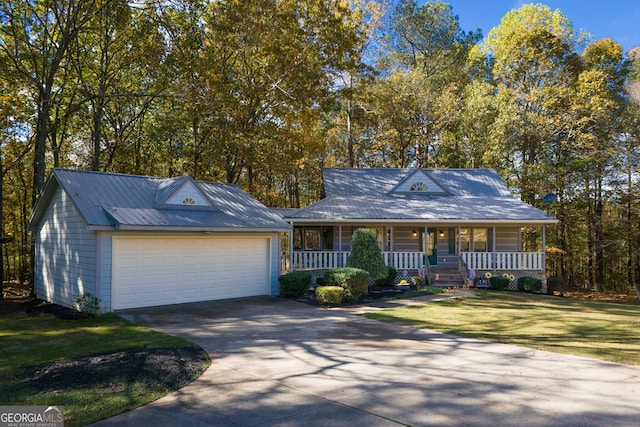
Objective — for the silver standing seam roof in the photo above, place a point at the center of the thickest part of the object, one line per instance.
(459, 196)
(110, 201)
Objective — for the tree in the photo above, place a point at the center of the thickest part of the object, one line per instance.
(598, 106)
(426, 65)
(535, 65)
(35, 36)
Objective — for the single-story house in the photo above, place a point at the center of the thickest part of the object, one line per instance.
(138, 241)
(441, 222)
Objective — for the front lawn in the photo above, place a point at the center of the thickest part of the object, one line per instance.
(563, 325)
(94, 367)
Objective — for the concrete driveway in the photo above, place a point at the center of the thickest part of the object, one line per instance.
(283, 363)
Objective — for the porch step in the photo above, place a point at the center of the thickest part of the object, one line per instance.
(446, 278)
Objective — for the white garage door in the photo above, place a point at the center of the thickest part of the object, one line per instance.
(173, 270)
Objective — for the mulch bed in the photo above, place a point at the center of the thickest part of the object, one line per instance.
(159, 368)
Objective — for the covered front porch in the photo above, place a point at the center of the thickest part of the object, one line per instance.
(478, 247)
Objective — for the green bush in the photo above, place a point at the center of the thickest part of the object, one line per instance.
(529, 284)
(87, 303)
(330, 294)
(499, 283)
(418, 282)
(294, 284)
(354, 281)
(365, 254)
(389, 279)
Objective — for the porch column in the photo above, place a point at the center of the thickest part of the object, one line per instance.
(340, 245)
(291, 249)
(493, 249)
(391, 241)
(459, 251)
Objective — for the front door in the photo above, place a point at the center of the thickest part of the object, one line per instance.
(430, 245)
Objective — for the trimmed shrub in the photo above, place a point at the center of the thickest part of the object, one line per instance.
(294, 284)
(529, 284)
(365, 254)
(499, 283)
(389, 279)
(330, 294)
(354, 281)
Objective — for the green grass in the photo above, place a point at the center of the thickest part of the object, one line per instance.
(583, 328)
(30, 341)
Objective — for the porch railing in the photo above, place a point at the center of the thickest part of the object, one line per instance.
(326, 260)
(503, 260)
(318, 260)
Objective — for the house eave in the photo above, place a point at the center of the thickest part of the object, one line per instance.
(522, 222)
(124, 227)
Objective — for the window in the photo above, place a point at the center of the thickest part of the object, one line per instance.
(475, 240)
(480, 240)
(311, 239)
(465, 239)
(188, 201)
(419, 186)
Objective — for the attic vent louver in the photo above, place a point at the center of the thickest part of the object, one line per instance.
(188, 201)
(419, 186)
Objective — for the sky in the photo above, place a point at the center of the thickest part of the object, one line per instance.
(617, 19)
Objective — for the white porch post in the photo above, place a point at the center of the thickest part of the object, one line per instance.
(291, 249)
(493, 249)
(459, 251)
(340, 245)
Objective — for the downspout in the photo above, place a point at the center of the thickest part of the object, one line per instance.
(98, 266)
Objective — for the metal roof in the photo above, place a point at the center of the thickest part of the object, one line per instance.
(118, 201)
(379, 181)
(471, 195)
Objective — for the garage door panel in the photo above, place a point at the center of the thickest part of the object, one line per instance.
(158, 271)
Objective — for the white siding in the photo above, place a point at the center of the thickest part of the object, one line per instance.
(65, 253)
(187, 191)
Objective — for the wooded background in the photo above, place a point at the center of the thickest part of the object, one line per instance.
(265, 93)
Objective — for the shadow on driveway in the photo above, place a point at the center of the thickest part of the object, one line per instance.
(277, 362)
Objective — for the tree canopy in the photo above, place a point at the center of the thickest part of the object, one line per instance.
(265, 93)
